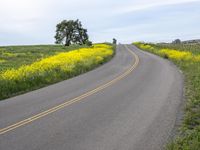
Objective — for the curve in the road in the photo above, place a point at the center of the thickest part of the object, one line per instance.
(74, 100)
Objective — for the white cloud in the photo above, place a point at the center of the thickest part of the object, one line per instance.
(146, 4)
(20, 9)
(19, 15)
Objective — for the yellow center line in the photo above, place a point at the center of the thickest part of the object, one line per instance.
(74, 100)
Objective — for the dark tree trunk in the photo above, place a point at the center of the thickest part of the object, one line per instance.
(67, 42)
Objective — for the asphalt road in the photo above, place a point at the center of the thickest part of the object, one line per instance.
(126, 104)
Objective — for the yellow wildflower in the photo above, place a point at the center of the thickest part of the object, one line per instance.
(62, 62)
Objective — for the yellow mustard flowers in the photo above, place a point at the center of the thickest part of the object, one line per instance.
(170, 53)
(54, 68)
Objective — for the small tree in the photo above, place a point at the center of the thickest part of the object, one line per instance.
(177, 41)
(114, 41)
(71, 32)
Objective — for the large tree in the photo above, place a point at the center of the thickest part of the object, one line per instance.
(71, 32)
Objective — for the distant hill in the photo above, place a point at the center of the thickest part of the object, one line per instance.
(192, 41)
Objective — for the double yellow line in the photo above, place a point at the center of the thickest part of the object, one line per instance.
(74, 100)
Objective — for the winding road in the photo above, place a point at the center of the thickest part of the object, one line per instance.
(129, 103)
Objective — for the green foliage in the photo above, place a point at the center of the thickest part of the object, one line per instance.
(189, 136)
(71, 32)
(189, 141)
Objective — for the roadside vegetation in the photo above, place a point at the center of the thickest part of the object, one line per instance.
(187, 58)
(16, 56)
(30, 67)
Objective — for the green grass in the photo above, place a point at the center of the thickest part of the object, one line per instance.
(189, 136)
(14, 57)
(194, 48)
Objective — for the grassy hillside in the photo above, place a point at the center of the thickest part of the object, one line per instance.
(24, 68)
(15, 56)
(187, 58)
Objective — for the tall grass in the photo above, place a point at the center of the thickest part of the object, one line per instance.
(52, 69)
(187, 58)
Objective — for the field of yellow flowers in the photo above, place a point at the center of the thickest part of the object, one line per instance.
(52, 69)
(187, 58)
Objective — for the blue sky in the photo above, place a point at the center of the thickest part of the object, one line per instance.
(34, 21)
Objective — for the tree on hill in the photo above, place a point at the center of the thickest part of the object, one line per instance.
(114, 41)
(71, 32)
